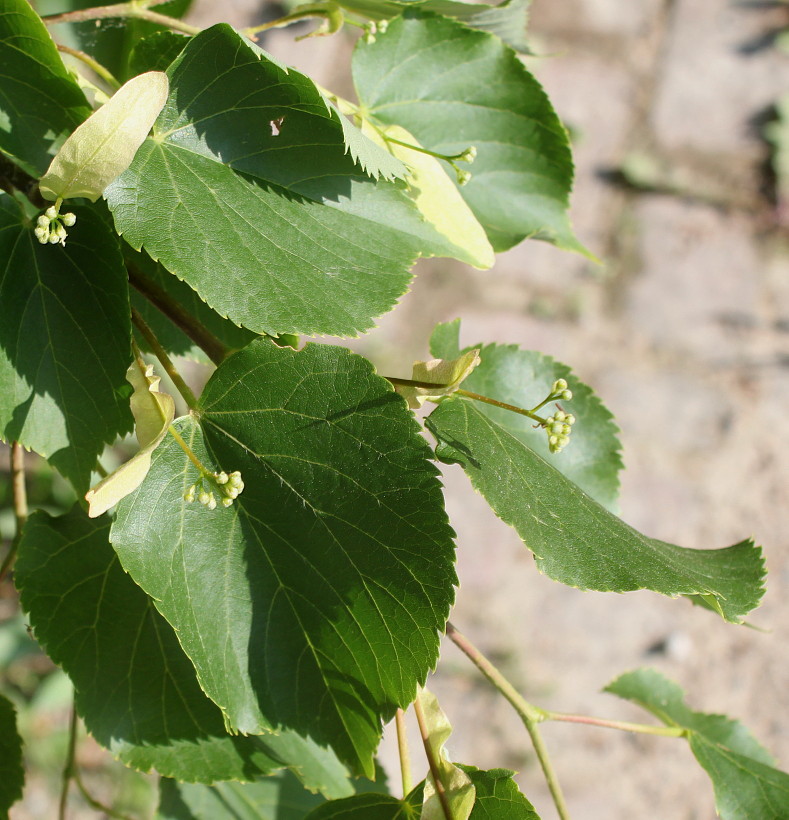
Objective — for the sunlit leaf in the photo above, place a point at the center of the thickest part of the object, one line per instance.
(742, 772)
(461, 88)
(370, 807)
(135, 688)
(444, 375)
(574, 539)
(104, 145)
(315, 601)
(523, 378)
(498, 796)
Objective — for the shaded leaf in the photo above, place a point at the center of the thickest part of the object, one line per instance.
(156, 52)
(265, 213)
(498, 797)
(458, 788)
(135, 688)
(336, 563)
(506, 20)
(40, 104)
(574, 539)
(64, 340)
(745, 782)
(153, 413)
(461, 88)
(371, 807)
(524, 378)
(103, 146)
(12, 772)
(111, 42)
(279, 797)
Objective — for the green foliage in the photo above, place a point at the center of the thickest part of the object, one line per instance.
(249, 648)
(742, 772)
(573, 538)
(12, 773)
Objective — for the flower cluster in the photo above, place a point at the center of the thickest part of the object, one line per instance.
(558, 427)
(51, 226)
(228, 487)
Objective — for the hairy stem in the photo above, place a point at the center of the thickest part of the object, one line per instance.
(529, 714)
(137, 10)
(405, 758)
(178, 315)
(431, 760)
(92, 64)
(504, 406)
(167, 363)
(19, 493)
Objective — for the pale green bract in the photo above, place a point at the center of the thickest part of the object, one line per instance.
(103, 147)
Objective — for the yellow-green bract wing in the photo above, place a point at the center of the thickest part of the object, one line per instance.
(104, 145)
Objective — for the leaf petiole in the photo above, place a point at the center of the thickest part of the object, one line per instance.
(92, 64)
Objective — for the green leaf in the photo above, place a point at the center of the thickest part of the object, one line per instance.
(103, 146)
(745, 782)
(437, 197)
(460, 88)
(153, 413)
(111, 42)
(371, 807)
(40, 104)
(156, 52)
(279, 797)
(443, 375)
(506, 20)
(336, 562)
(457, 786)
(64, 340)
(135, 688)
(498, 797)
(158, 281)
(574, 539)
(523, 378)
(293, 236)
(12, 772)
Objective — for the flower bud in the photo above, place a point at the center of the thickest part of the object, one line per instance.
(226, 502)
(69, 219)
(204, 498)
(211, 502)
(42, 221)
(221, 478)
(567, 395)
(51, 212)
(559, 385)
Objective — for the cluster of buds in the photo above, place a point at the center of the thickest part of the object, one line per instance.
(558, 427)
(469, 155)
(228, 488)
(560, 391)
(51, 226)
(371, 29)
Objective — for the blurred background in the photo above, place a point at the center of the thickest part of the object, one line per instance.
(682, 191)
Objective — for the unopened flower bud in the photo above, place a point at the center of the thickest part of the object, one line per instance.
(226, 502)
(42, 221)
(221, 478)
(211, 502)
(51, 212)
(69, 219)
(204, 498)
(53, 238)
(462, 176)
(189, 495)
(567, 395)
(469, 155)
(559, 385)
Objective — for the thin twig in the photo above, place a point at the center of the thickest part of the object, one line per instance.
(178, 315)
(504, 406)
(431, 760)
(529, 714)
(19, 494)
(134, 10)
(405, 757)
(281, 22)
(167, 363)
(92, 64)
(624, 726)
(68, 768)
